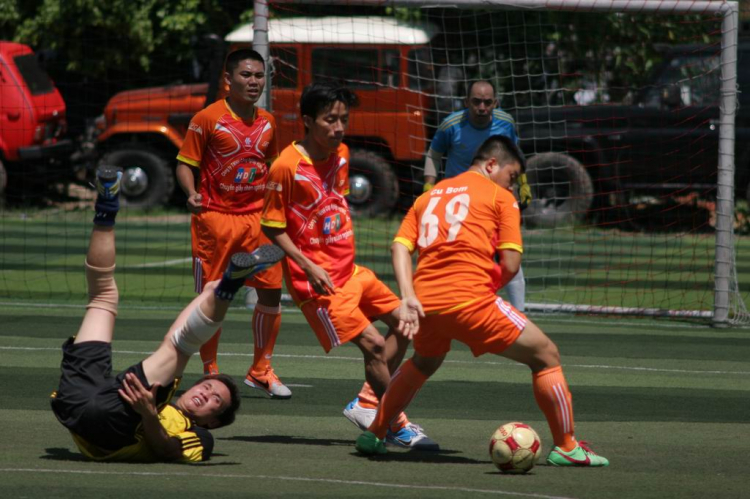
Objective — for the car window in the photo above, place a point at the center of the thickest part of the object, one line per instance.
(390, 68)
(357, 68)
(285, 67)
(687, 80)
(33, 75)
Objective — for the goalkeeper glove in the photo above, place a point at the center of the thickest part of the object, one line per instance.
(427, 187)
(524, 191)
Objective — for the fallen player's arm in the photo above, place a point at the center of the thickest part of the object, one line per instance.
(142, 401)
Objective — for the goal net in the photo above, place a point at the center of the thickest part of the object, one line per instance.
(618, 109)
(625, 110)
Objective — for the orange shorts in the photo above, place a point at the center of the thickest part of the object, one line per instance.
(217, 236)
(488, 325)
(340, 317)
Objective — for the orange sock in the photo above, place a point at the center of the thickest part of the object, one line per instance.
(554, 399)
(367, 397)
(210, 349)
(266, 325)
(405, 384)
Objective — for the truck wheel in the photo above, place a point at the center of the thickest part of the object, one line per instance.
(373, 187)
(561, 188)
(147, 179)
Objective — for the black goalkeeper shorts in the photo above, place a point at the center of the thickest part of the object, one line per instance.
(87, 401)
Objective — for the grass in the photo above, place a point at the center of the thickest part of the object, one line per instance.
(41, 253)
(666, 403)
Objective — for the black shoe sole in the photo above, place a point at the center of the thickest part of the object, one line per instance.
(262, 258)
(107, 173)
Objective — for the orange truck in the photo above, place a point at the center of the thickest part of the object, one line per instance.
(378, 57)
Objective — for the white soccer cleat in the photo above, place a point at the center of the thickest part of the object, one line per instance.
(269, 383)
(360, 416)
(412, 436)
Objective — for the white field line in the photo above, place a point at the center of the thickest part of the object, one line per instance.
(165, 263)
(284, 479)
(447, 361)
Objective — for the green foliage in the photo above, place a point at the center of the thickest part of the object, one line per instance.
(95, 37)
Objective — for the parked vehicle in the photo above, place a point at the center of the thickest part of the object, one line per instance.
(32, 121)
(142, 130)
(665, 142)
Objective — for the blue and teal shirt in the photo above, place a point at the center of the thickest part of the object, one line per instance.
(458, 138)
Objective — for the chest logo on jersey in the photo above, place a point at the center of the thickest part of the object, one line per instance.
(332, 224)
(245, 175)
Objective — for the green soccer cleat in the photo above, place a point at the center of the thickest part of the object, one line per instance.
(369, 444)
(582, 455)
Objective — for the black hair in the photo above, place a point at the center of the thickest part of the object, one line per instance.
(227, 417)
(321, 95)
(502, 148)
(234, 58)
(471, 85)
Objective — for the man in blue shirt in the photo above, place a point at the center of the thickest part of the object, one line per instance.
(459, 136)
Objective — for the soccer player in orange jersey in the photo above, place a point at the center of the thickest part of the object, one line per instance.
(457, 227)
(306, 214)
(231, 144)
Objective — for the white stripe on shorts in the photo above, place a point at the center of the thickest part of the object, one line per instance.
(328, 325)
(510, 313)
(198, 275)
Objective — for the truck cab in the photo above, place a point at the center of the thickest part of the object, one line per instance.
(32, 120)
(374, 56)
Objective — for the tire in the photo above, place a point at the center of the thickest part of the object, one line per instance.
(373, 187)
(147, 181)
(561, 189)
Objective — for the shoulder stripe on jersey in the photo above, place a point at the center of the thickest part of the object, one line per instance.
(188, 161)
(271, 223)
(453, 120)
(511, 246)
(405, 242)
(502, 115)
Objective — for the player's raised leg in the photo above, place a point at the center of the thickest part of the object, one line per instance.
(99, 321)
(539, 352)
(199, 321)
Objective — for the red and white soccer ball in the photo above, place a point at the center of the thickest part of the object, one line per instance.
(515, 447)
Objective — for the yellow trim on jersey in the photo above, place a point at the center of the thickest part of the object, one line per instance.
(271, 223)
(346, 192)
(454, 308)
(236, 116)
(307, 158)
(497, 113)
(188, 161)
(510, 246)
(405, 242)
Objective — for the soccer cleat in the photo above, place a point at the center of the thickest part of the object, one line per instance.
(246, 265)
(107, 181)
(368, 443)
(243, 266)
(582, 455)
(412, 436)
(360, 416)
(210, 368)
(269, 383)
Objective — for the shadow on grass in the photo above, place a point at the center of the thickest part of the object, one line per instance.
(445, 456)
(63, 454)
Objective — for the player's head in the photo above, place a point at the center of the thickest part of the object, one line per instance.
(500, 159)
(324, 107)
(245, 74)
(212, 402)
(480, 101)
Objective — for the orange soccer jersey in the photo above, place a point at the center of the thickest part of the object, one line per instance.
(457, 228)
(306, 198)
(231, 154)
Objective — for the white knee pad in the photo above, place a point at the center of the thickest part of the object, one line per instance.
(197, 330)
